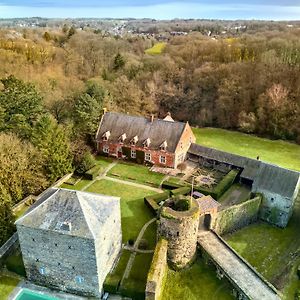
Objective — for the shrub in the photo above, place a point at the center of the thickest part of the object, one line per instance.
(92, 173)
(143, 244)
(131, 242)
(297, 295)
(84, 163)
(182, 204)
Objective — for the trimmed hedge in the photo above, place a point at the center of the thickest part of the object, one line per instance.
(153, 200)
(168, 185)
(181, 191)
(92, 173)
(224, 184)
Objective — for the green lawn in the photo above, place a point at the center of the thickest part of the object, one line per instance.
(103, 161)
(156, 49)
(134, 286)
(7, 285)
(274, 151)
(198, 282)
(78, 186)
(134, 212)
(136, 173)
(150, 235)
(236, 194)
(114, 278)
(273, 251)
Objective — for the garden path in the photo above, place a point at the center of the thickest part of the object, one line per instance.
(135, 250)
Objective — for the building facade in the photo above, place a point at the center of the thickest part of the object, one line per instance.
(163, 142)
(67, 242)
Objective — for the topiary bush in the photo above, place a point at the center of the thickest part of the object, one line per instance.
(143, 244)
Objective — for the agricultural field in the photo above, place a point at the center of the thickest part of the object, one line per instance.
(273, 251)
(278, 152)
(156, 49)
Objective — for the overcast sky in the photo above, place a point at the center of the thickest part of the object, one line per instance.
(158, 9)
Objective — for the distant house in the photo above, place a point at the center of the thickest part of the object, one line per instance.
(279, 186)
(71, 241)
(162, 142)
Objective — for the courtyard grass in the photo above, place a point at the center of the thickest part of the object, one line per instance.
(113, 279)
(150, 236)
(156, 49)
(198, 282)
(278, 152)
(136, 173)
(134, 286)
(236, 194)
(78, 186)
(7, 285)
(134, 212)
(273, 251)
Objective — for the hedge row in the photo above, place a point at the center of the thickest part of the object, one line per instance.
(153, 200)
(225, 184)
(170, 185)
(181, 191)
(92, 173)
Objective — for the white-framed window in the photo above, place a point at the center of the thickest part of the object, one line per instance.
(106, 149)
(133, 153)
(147, 156)
(162, 159)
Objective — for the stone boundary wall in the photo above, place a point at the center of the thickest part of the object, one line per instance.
(158, 271)
(8, 248)
(237, 216)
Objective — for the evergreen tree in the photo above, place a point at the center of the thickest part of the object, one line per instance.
(52, 140)
(119, 62)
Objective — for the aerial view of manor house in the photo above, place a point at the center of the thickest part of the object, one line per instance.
(155, 213)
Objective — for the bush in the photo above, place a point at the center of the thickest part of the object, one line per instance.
(143, 244)
(297, 295)
(92, 173)
(86, 162)
(131, 242)
(182, 204)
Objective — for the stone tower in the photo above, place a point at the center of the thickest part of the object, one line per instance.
(179, 225)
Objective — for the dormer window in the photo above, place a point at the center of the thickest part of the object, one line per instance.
(147, 142)
(163, 146)
(122, 138)
(106, 135)
(134, 140)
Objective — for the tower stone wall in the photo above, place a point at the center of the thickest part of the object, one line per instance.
(180, 228)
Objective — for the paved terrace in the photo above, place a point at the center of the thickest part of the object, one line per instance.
(241, 275)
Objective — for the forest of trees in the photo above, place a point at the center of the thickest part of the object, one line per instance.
(55, 84)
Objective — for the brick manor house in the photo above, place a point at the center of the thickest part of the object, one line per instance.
(162, 142)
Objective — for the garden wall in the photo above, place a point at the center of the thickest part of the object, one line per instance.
(8, 248)
(158, 271)
(237, 216)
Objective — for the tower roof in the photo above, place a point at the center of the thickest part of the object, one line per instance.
(71, 212)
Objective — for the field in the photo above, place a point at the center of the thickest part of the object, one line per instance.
(198, 282)
(156, 49)
(273, 251)
(278, 152)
